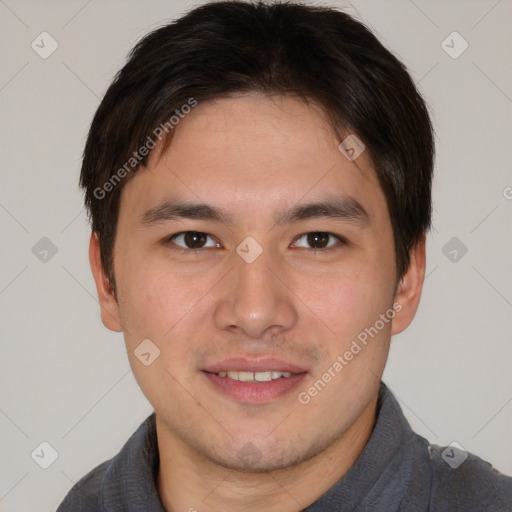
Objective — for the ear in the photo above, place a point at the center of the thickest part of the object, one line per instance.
(409, 289)
(109, 308)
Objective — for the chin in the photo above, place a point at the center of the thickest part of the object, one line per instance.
(250, 458)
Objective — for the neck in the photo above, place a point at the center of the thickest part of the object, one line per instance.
(189, 482)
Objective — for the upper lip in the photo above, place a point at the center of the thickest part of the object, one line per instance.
(247, 364)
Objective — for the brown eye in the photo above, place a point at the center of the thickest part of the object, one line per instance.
(318, 240)
(192, 240)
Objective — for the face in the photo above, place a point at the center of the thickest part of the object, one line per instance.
(256, 256)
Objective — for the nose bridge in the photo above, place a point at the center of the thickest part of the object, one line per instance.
(254, 298)
(255, 281)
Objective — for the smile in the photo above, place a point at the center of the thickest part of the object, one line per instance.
(264, 376)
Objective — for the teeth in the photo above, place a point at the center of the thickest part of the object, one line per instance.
(245, 376)
(265, 376)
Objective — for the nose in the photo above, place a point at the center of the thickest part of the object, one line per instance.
(256, 298)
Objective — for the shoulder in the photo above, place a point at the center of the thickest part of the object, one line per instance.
(84, 495)
(465, 480)
(122, 482)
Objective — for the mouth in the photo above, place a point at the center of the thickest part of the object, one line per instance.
(264, 376)
(254, 381)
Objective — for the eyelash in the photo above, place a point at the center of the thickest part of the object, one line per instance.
(169, 240)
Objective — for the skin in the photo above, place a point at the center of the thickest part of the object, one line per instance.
(255, 156)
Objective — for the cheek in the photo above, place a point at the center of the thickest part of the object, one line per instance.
(350, 299)
(160, 300)
(152, 298)
(157, 304)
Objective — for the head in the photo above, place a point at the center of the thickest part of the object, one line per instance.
(258, 178)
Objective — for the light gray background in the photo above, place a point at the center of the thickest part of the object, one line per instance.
(65, 379)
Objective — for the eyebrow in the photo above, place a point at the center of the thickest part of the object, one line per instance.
(345, 208)
(170, 210)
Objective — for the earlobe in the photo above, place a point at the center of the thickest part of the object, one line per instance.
(109, 307)
(409, 289)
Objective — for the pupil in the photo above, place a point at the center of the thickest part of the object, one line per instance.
(194, 237)
(317, 238)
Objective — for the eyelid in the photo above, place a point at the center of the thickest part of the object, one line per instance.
(170, 239)
(341, 240)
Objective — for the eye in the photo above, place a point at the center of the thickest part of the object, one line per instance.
(192, 240)
(319, 240)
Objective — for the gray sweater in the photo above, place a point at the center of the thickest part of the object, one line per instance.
(397, 470)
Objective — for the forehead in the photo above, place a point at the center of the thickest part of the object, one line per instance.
(257, 152)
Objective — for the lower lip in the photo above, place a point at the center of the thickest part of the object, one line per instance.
(255, 392)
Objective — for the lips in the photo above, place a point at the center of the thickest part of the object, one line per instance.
(267, 364)
(264, 376)
(254, 380)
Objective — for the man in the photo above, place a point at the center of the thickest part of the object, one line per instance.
(258, 178)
